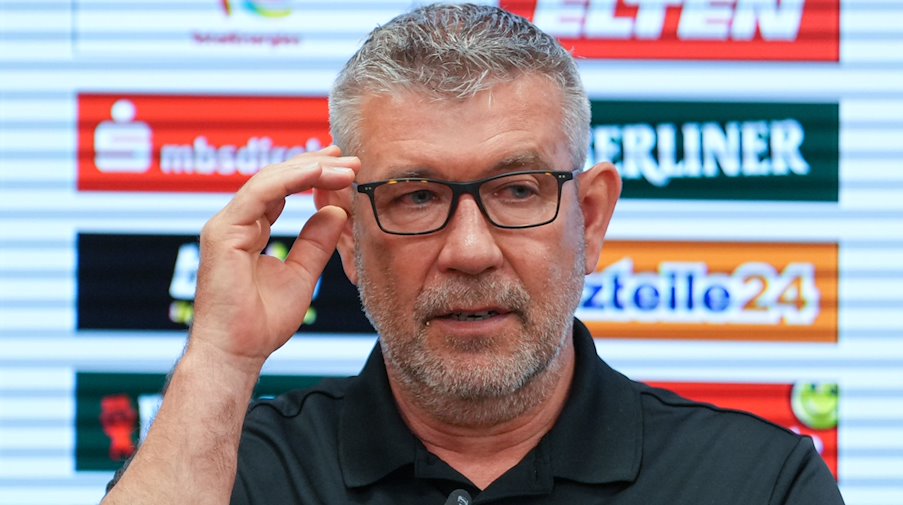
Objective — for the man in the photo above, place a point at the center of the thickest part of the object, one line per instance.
(468, 232)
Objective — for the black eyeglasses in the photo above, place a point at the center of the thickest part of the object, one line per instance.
(415, 206)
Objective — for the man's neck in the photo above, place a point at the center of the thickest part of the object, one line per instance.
(483, 451)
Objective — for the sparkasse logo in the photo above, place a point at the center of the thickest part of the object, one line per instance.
(166, 143)
(720, 150)
(713, 291)
(776, 30)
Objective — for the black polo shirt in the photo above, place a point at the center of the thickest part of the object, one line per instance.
(617, 442)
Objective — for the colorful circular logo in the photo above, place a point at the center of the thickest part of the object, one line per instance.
(815, 405)
(263, 8)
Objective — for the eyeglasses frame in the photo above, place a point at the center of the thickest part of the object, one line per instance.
(471, 188)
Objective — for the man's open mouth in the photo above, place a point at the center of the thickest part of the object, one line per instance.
(471, 316)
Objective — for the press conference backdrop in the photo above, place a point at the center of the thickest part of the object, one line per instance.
(755, 260)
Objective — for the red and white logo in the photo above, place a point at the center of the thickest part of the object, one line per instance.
(783, 30)
(191, 143)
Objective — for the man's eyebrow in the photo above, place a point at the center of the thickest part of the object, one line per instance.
(411, 173)
(519, 161)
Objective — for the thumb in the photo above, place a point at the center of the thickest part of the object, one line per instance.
(316, 242)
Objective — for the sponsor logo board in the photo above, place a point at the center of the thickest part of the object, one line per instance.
(679, 150)
(147, 282)
(656, 290)
(720, 150)
(113, 412)
(764, 30)
(713, 291)
(174, 143)
(805, 408)
(269, 29)
(756, 30)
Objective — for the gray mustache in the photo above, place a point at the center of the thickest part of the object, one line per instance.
(456, 293)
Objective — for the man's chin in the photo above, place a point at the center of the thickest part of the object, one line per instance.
(470, 347)
(479, 375)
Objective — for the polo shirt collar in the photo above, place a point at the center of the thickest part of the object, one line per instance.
(596, 440)
(374, 441)
(598, 437)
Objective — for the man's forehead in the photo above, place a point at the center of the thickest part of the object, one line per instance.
(514, 126)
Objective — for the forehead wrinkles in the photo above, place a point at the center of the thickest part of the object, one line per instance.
(523, 120)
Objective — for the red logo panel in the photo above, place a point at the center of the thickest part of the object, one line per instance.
(804, 408)
(191, 143)
(764, 30)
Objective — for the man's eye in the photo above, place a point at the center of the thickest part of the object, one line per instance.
(419, 197)
(516, 192)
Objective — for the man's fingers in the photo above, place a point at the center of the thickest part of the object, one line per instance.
(274, 210)
(246, 220)
(317, 242)
(331, 150)
(260, 193)
(264, 189)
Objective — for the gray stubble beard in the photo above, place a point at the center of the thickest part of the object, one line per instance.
(457, 392)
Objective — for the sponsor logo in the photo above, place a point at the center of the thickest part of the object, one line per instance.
(245, 14)
(263, 8)
(181, 143)
(258, 29)
(725, 151)
(118, 419)
(713, 290)
(114, 411)
(815, 405)
(789, 30)
(793, 406)
(161, 273)
(185, 276)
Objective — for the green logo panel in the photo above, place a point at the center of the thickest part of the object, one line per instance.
(113, 409)
(720, 150)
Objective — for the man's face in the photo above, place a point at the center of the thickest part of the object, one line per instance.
(471, 311)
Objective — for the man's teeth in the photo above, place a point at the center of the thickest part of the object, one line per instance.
(473, 316)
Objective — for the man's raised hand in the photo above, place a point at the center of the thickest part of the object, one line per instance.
(247, 304)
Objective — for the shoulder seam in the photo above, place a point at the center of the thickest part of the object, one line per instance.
(304, 395)
(693, 404)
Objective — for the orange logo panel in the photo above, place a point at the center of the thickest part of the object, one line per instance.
(713, 291)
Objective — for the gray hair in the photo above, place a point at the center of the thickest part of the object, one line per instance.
(454, 52)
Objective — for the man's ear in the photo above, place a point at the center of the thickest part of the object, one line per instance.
(346, 245)
(599, 189)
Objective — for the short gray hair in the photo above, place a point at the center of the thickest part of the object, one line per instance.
(454, 51)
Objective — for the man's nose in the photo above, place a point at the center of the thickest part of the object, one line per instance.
(470, 246)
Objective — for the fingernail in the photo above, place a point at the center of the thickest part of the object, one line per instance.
(342, 171)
